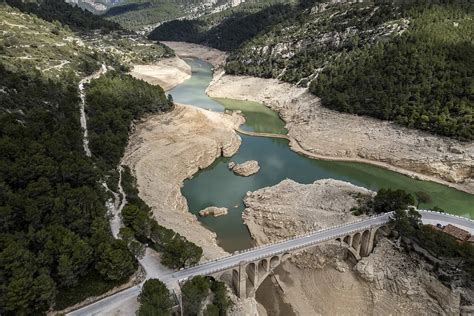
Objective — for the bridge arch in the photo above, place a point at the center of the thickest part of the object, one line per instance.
(356, 241)
(365, 243)
(274, 262)
(249, 275)
(263, 268)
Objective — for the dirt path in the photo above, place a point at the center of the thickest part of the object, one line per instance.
(82, 95)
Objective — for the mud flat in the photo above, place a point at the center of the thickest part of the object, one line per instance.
(167, 72)
(321, 133)
(327, 280)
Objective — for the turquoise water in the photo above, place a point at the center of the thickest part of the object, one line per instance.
(218, 186)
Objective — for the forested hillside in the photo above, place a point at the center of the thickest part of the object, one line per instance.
(54, 231)
(56, 246)
(422, 79)
(136, 15)
(408, 63)
(54, 10)
(225, 30)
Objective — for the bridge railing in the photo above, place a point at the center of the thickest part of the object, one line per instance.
(447, 214)
(312, 242)
(307, 234)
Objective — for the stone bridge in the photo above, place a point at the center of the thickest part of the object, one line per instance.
(250, 267)
(247, 276)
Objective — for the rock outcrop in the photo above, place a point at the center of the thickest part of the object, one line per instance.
(245, 169)
(213, 211)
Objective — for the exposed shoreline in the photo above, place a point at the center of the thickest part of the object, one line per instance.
(320, 133)
(167, 72)
(165, 150)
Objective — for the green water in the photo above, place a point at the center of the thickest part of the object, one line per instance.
(218, 186)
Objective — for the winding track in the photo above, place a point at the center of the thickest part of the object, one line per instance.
(299, 242)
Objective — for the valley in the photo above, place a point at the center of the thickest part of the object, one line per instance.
(256, 158)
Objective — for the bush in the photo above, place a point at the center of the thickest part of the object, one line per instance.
(154, 299)
(194, 292)
(388, 200)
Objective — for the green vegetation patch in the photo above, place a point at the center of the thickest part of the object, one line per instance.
(54, 227)
(154, 299)
(422, 79)
(113, 101)
(196, 290)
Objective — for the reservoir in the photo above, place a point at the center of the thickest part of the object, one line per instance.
(219, 186)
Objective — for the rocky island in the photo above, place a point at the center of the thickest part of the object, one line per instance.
(214, 211)
(245, 169)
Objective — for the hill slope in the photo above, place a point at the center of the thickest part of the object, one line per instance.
(56, 246)
(412, 64)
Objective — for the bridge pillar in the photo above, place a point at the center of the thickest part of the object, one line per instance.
(239, 280)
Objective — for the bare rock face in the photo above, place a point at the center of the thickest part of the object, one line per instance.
(324, 280)
(245, 169)
(213, 211)
(388, 269)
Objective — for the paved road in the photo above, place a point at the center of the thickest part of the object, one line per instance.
(171, 278)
